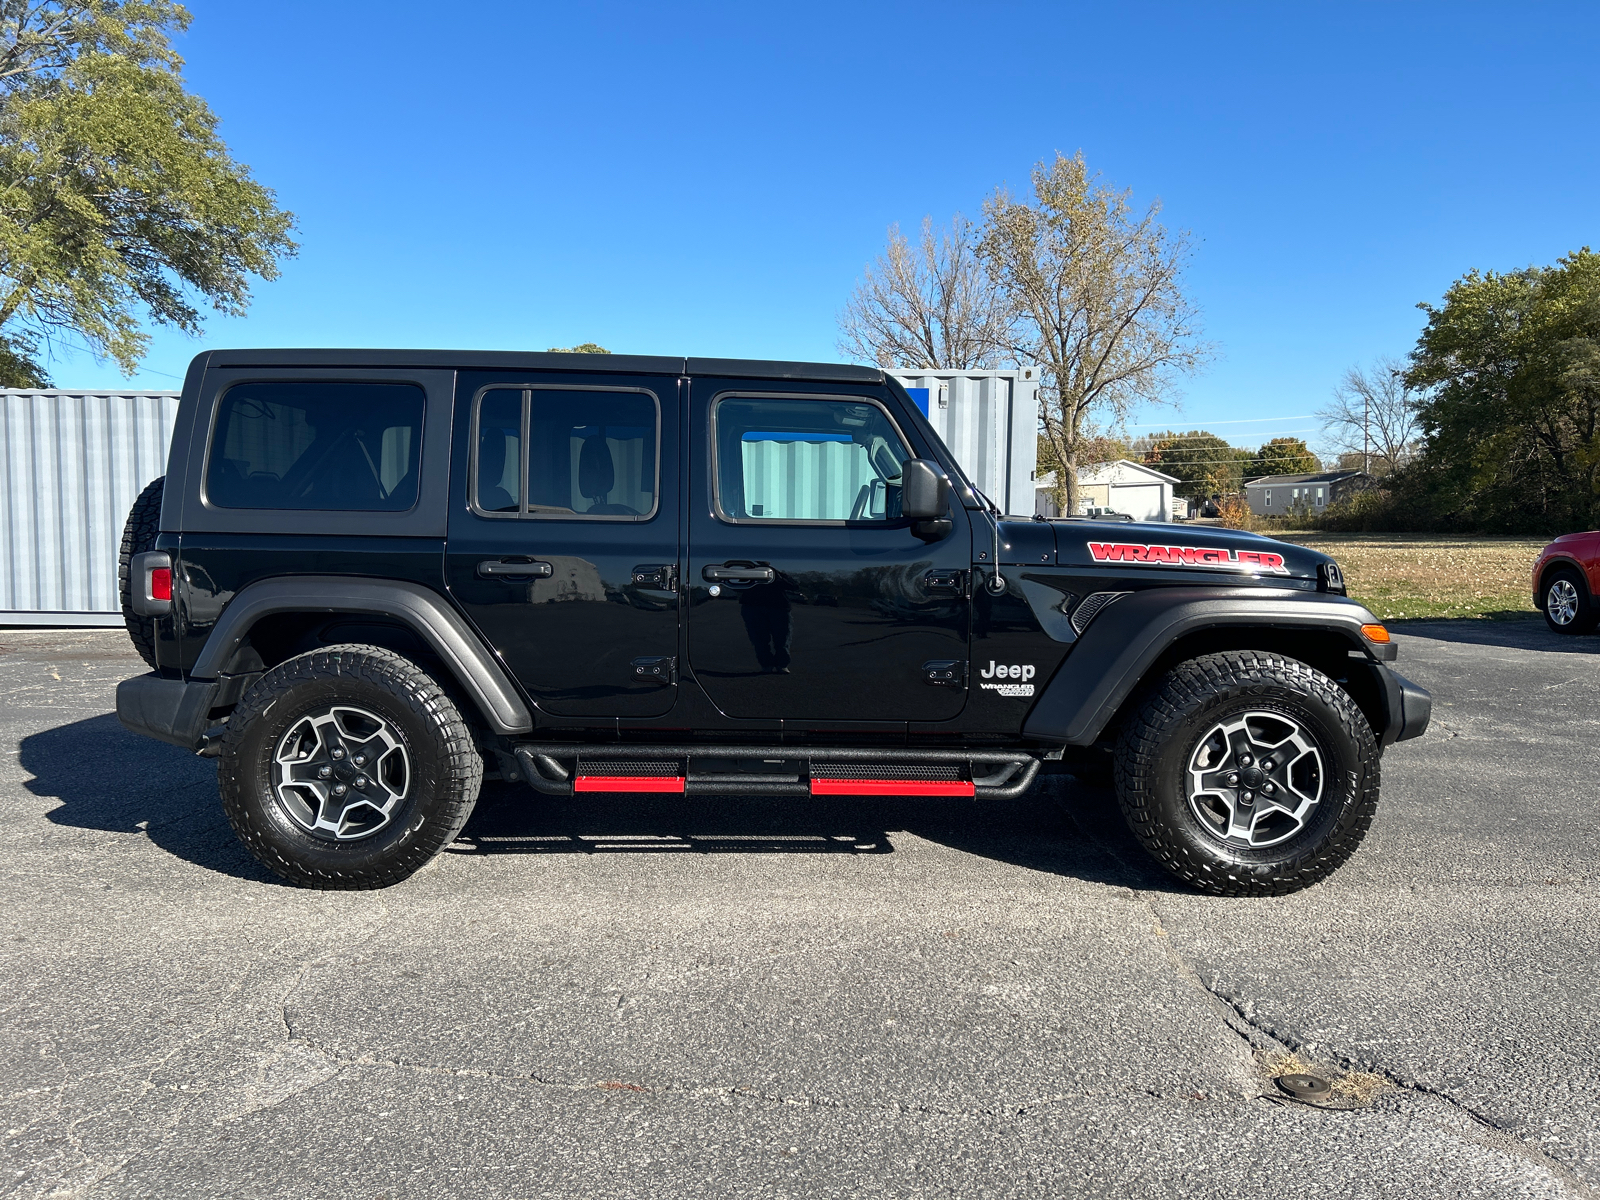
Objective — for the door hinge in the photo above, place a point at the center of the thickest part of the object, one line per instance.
(660, 576)
(940, 579)
(658, 668)
(946, 672)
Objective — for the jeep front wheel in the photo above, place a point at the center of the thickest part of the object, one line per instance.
(1248, 774)
(347, 768)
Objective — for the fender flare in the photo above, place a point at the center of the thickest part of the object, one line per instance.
(422, 610)
(1125, 640)
(1560, 559)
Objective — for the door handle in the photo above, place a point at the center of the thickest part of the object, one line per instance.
(738, 574)
(494, 568)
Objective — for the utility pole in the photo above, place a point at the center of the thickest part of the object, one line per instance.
(1366, 432)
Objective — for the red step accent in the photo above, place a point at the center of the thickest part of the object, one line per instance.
(891, 787)
(628, 783)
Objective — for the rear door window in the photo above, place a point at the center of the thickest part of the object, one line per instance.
(294, 445)
(566, 452)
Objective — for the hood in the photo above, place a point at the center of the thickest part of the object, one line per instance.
(1192, 551)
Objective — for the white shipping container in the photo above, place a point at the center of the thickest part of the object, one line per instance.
(990, 421)
(71, 465)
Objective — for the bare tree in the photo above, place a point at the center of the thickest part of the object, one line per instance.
(931, 306)
(1373, 415)
(1102, 306)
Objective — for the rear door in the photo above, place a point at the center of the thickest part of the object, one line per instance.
(812, 598)
(563, 536)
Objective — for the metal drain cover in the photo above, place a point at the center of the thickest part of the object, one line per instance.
(1306, 1087)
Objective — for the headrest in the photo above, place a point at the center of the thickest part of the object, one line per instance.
(596, 474)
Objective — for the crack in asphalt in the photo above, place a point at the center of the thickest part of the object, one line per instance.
(1237, 1014)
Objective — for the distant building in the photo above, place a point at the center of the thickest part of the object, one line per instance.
(1280, 495)
(1127, 487)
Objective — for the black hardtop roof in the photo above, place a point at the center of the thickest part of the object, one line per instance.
(516, 360)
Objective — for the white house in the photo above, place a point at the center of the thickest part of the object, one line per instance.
(1141, 492)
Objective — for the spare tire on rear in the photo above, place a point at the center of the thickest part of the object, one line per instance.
(139, 535)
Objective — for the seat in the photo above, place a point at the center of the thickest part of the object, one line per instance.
(597, 475)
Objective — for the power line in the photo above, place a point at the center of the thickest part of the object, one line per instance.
(1242, 421)
(1195, 437)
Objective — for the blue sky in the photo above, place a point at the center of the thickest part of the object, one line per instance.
(711, 178)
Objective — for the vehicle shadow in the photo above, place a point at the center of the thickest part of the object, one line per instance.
(1524, 632)
(109, 779)
(1060, 827)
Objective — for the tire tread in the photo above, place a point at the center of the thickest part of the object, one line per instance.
(1206, 682)
(138, 535)
(403, 680)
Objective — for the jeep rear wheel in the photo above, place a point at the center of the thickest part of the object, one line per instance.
(1248, 774)
(347, 768)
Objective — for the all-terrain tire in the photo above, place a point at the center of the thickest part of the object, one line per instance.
(1159, 746)
(444, 769)
(1566, 603)
(139, 535)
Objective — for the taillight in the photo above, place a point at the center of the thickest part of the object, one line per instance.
(161, 583)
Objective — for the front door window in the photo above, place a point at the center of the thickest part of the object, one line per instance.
(814, 600)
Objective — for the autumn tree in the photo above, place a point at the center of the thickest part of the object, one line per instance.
(932, 306)
(1205, 464)
(1098, 293)
(1373, 417)
(1283, 456)
(118, 201)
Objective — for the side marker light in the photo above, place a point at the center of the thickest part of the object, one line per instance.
(161, 583)
(1375, 633)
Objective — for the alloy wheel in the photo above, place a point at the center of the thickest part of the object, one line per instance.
(340, 773)
(1255, 779)
(1561, 602)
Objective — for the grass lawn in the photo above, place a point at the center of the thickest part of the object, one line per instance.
(1402, 576)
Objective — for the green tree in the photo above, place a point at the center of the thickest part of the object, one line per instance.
(1283, 456)
(1205, 464)
(117, 198)
(580, 348)
(1510, 368)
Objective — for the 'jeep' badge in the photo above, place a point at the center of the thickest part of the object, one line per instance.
(1189, 556)
(997, 671)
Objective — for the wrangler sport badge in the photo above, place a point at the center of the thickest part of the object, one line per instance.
(1189, 556)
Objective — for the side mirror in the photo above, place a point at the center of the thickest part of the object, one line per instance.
(924, 491)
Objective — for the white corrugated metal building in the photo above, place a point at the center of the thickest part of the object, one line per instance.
(71, 465)
(990, 421)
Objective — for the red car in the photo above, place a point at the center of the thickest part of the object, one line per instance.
(1566, 577)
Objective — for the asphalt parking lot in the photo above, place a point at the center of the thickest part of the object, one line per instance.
(666, 997)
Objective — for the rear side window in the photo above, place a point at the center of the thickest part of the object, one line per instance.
(350, 446)
(807, 460)
(566, 452)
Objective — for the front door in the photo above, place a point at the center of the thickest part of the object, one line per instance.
(812, 598)
(563, 537)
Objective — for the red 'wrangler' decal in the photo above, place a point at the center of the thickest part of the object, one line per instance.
(1189, 556)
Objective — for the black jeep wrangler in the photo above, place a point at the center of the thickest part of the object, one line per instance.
(371, 578)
